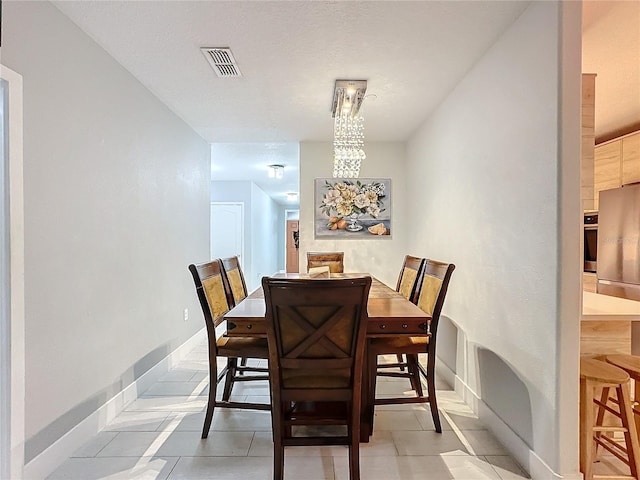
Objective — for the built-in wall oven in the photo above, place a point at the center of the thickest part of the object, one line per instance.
(590, 241)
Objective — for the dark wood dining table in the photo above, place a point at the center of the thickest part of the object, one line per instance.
(389, 314)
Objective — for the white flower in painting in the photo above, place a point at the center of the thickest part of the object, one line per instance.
(373, 210)
(361, 201)
(344, 208)
(371, 196)
(348, 195)
(341, 186)
(332, 197)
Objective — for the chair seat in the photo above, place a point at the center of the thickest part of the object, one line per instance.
(399, 344)
(316, 379)
(243, 347)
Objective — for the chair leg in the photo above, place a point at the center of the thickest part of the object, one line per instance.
(232, 365)
(414, 371)
(400, 360)
(604, 399)
(372, 362)
(278, 460)
(213, 387)
(243, 363)
(354, 458)
(586, 428)
(278, 446)
(431, 390)
(631, 435)
(354, 446)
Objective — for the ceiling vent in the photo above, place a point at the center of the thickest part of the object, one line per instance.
(222, 61)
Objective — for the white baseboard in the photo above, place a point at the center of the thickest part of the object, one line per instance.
(517, 448)
(51, 458)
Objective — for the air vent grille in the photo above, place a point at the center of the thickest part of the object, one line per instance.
(222, 61)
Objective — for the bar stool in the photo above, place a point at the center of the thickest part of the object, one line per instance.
(631, 365)
(597, 378)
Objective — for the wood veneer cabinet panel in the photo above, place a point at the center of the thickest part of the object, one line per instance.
(589, 282)
(607, 170)
(605, 337)
(588, 140)
(631, 159)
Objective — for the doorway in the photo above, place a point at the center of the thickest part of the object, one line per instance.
(227, 231)
(292, 256)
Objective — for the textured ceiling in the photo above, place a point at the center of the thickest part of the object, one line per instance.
(291, 52)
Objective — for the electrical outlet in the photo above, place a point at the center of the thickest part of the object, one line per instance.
(186, 314)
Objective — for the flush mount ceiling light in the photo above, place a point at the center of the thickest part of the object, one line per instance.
(292, 196)
(276, 171)
(348, 128)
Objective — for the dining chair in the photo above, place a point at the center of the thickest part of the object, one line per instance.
(409, 276)
(235, 278)
(215, 302)
(236, 286)
(429, 296)
(316, 330)
(407, 282)
(334, 260)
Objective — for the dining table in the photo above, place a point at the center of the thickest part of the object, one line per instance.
(389, 313)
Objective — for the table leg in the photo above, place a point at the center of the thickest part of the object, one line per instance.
(368, 396)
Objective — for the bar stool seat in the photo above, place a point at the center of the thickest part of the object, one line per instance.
(597, 378)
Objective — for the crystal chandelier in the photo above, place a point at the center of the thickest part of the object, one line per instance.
(348, 131)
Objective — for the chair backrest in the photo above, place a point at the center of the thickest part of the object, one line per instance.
(213, 294)
(235, 279)
(432, 290)
(334, 260)
(316, 331)
(409, 276)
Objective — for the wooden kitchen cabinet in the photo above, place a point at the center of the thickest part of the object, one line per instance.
(631, 158)
(607, 167)
(589, 281)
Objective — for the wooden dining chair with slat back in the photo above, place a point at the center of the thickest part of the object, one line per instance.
(429, 296)
(406, 286)
(334, 260)
(236, 284)
(235, 278)
(214, 300)
(316, 331)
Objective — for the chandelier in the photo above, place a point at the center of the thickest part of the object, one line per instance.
(348, 128)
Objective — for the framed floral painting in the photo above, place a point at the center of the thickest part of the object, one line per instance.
(352, 208)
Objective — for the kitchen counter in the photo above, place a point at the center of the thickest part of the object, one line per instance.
(605, 307)
(606, 326)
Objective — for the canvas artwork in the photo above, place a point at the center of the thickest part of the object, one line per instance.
(352, 208)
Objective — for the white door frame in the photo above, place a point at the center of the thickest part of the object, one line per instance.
(12, 368)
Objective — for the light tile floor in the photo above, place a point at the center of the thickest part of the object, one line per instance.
(158, 437)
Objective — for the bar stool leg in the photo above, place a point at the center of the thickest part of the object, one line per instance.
(600, 416)
(631, 435)
(587, 392)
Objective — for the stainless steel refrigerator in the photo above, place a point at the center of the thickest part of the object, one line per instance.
(618, 262)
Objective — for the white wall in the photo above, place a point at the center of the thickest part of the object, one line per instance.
(382, 257)
(116, 191)
(266, 236)
(483, 171)
(262, 230)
